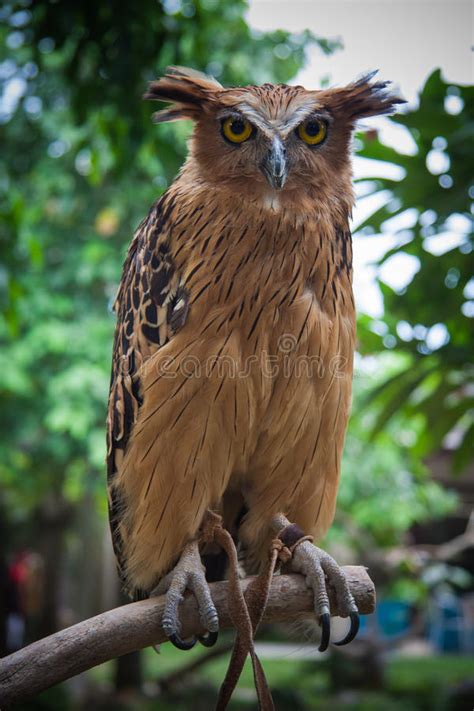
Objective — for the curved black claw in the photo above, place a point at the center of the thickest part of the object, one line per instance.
(209, 639)
(325, 622)
(181, 643)
(355, 623)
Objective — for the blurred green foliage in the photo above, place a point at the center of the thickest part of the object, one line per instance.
(430, 322)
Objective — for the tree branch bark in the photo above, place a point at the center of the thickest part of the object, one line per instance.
(137, 625)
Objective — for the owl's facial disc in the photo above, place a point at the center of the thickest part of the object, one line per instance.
(274, 165)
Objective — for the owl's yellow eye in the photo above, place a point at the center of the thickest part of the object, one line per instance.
(312, 132)
(237, 129)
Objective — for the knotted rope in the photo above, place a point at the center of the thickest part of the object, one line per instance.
(246, 612)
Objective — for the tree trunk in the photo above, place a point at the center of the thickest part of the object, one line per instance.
(128, 672)
(3, 583)
(52, 521)
(128, 668)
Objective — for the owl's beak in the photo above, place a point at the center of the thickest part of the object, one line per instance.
(274, 165)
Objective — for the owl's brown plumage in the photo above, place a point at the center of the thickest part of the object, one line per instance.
(232, 365)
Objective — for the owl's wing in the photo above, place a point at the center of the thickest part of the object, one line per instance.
(151, 305)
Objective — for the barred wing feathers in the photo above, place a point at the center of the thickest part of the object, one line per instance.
(151, 305)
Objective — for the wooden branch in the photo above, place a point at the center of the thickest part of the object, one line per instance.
(137, 625)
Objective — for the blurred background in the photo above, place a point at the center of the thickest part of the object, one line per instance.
(80, 164)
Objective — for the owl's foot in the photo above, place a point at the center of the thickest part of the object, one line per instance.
(188, 574)
(320, 570)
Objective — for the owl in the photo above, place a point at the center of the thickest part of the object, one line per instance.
(233, 353)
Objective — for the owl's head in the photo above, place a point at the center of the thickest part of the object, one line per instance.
(271, 139)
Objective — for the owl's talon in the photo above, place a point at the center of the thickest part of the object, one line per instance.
(355, 623)
(182, 643)
(320, 570)
(325, 622)
(188, 574)
(209, 639)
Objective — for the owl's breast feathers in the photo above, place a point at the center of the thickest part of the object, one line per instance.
(202, 269)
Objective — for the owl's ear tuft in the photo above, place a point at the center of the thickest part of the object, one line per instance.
(189, 92)
(363, 98)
